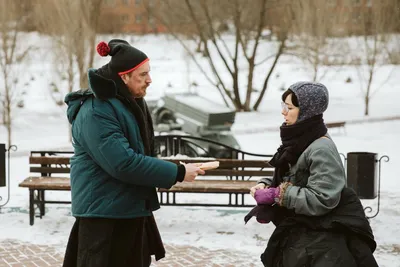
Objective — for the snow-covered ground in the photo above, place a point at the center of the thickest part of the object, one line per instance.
(42, 125)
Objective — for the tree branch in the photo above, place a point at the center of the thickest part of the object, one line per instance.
(212, 32)
(198, 65)
(206, 48)
(383, 83)
(259, 28)
(237, 23)
(264, 88)
(264, 60)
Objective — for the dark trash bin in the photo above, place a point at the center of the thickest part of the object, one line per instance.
(2, 165)
(362, 174)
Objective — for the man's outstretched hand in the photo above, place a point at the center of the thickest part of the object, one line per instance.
(192, 170)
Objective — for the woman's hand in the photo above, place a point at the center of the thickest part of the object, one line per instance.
(267, 196)
(256, 187)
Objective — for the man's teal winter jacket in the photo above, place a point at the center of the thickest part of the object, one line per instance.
(110, 175)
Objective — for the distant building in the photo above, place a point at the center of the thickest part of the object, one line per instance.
(132, 16)
(350, 16)
(345, 16)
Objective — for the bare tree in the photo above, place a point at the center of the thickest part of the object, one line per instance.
(210, 24)
(11, 55)
(73, 26)
(375, 28)
(393, 45)
(316, 24)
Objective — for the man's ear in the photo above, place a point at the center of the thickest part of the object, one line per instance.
(125, 78)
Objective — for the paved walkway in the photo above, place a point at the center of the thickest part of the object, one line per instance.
(19, 254)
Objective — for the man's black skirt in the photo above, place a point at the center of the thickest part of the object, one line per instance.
(101, 242)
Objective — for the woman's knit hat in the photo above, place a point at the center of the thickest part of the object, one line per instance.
(313, 99)
(124, 57)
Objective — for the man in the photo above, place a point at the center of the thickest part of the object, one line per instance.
(114, 173)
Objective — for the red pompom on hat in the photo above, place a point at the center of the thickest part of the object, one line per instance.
(103, 49)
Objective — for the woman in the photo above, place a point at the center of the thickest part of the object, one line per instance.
(319, 221)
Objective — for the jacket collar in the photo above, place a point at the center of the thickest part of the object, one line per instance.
(101, 87)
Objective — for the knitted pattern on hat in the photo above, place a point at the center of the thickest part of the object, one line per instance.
(124, 57)
(313, 99)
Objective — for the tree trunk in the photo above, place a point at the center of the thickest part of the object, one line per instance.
(368, 92)
(366, 111)
(264, 89)
(71, 76)
(93, 18)
(9, 131)
(70, 72)
(92, 50)
(8, 123)
(199, 43)
(315, 73)
(237, 102)
(4, 113)
(70, 132)
(246, 105)
(7, 104)
(80, 59)
(83, 79)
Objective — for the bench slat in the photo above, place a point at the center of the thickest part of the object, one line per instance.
(216, 172)
(199, 186)
(207, 186)
(49, 170)
(49, 160)
(47, 183)
(224, 163)
(335, 124)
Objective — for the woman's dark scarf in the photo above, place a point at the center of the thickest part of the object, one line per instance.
(137, 106)
(295, 139)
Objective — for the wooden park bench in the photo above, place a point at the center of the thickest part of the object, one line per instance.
(234, 177)
(338, 124)
(237, 173)
(46, 168)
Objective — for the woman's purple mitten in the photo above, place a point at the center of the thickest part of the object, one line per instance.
(267, 195)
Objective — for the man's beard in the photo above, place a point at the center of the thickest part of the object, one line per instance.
(145, 89)
(143, 92)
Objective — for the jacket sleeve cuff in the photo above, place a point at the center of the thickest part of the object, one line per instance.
(282, 198)
(180, 174)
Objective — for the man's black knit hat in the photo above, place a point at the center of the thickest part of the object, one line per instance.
(124, 57)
